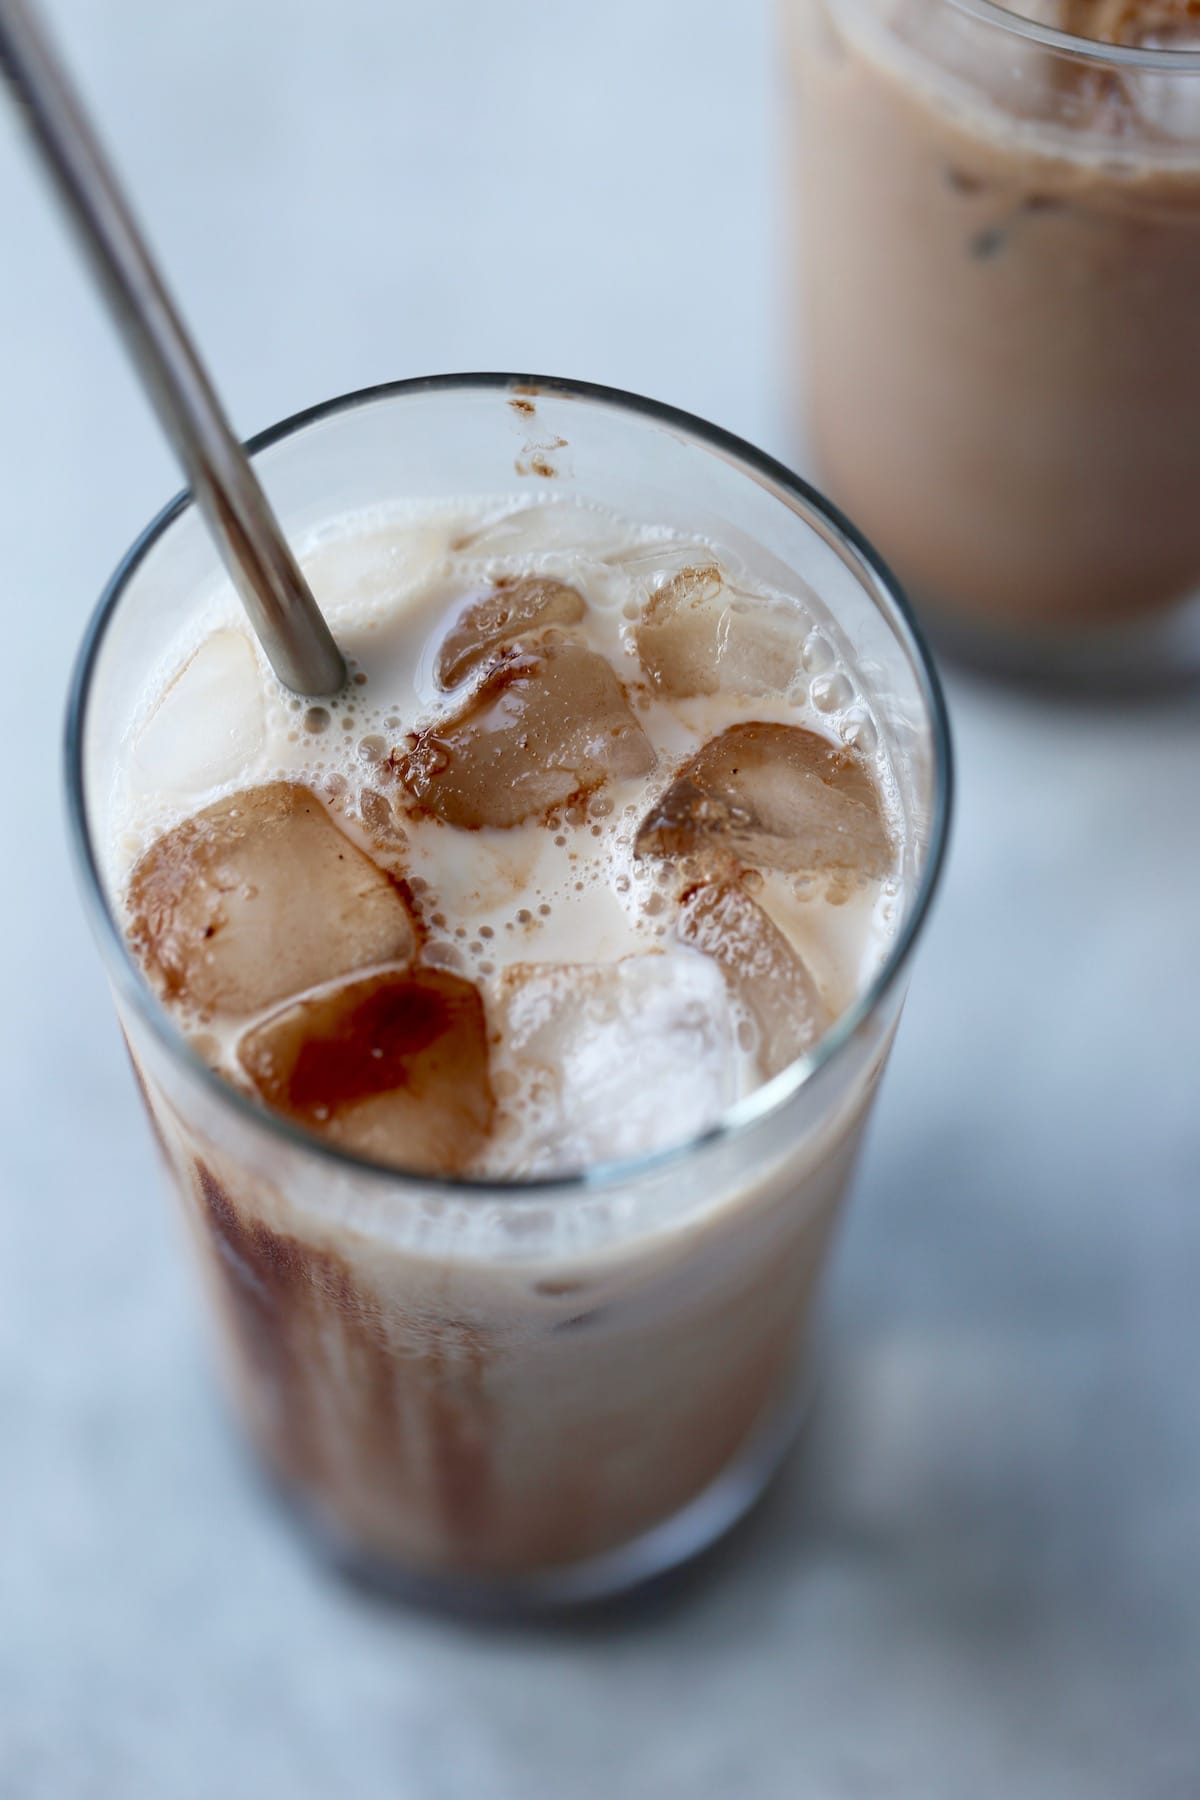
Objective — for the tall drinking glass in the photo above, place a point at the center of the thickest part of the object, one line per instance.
(532, 1392)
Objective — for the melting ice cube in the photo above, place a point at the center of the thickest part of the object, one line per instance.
(259, 897)
(208, 726)
(544, 727)
(767, 975)
(615, 1059)
(530, 530)
(393, 1066)
(774, 797)
(507, 611)
(697, 635)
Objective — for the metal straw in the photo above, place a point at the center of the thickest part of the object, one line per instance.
(275, 594)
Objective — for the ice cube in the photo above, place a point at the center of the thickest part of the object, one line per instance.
(540, 527)
(699, 635)
(774, 797)
(545, 726)
(393, 1066)
(209, 724)
(614, 1059)
(1164, 97)
(260, 897)
(1109, 98)
(509, 610)
(766, 974)
(1153, 24)
(362, 575)
(654, 560)
(1021, 73)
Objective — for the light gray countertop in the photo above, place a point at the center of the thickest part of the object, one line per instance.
(983, 1578)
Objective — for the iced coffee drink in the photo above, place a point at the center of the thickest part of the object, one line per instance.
(462, 981)
(999, 217)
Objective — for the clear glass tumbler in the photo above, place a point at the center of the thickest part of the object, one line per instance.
(998, 226)
(533, 1393)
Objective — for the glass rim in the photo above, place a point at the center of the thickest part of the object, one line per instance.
(1119, 56)
(752, 1109)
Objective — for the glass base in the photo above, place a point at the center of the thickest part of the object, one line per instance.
(657, 1553)
(1128, 661)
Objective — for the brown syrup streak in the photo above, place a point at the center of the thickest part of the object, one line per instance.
(286, 1299)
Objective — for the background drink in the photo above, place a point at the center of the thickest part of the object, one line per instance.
(511, 1383)
(1001, 249)
(592, 781)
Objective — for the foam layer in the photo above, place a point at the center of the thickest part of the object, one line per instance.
(490, 902)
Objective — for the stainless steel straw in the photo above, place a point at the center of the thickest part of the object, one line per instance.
(276, 596)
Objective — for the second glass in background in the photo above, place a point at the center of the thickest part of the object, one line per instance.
(999, 234)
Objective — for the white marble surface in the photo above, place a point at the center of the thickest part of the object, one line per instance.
(984, 1579)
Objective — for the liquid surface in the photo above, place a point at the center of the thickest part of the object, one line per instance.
(600, 836)
(1084, 119)
(1017, 427)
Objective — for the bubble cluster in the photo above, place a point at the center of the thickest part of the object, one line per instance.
(567, 886)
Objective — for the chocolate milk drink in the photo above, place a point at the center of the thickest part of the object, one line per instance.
(605, 836)
(1000, 247)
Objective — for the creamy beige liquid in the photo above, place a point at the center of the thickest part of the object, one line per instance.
(477, 1385)
(571, 894)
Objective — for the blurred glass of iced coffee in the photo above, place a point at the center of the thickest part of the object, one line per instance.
(509, 1021)
(999, 253)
